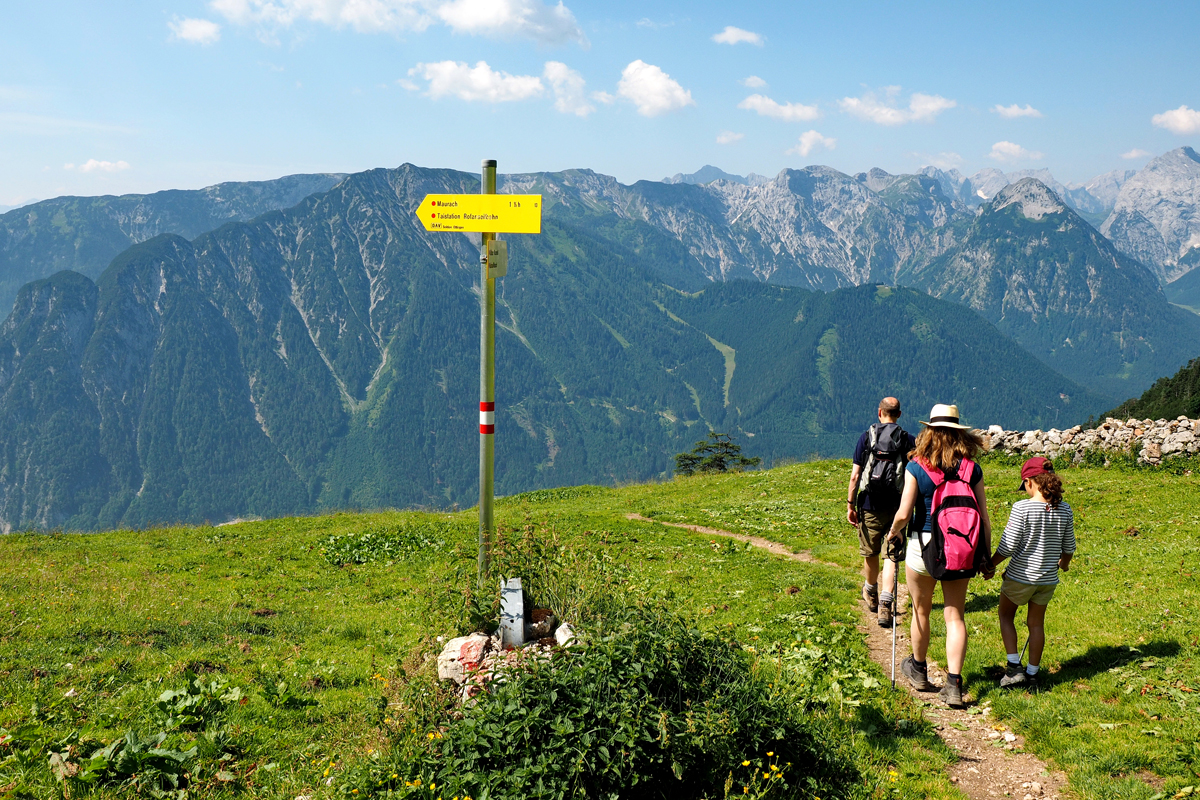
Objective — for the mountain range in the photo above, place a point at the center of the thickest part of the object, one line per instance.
(84, 234)
(324, 354)
(1156, 218)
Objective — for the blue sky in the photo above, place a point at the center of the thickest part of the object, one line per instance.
(106, 97)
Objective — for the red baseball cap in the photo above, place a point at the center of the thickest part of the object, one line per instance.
(1035, 466)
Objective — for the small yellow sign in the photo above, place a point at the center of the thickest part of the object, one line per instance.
(482, 213)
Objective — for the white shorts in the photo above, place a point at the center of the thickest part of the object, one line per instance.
(913, 557)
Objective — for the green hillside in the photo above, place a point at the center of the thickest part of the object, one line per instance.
(1185, 290)
(323, 624)
(1168, 398)
(326, 357)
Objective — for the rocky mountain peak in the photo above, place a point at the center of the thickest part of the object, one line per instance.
(1036, 199)
(1156, 218)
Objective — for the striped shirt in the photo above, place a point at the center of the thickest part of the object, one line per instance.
(1035, 538)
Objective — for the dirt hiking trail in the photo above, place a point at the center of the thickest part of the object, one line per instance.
(992, 762)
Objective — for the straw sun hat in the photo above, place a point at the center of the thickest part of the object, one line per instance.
(943, 416)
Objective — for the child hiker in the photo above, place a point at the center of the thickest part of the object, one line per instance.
(1040, 540)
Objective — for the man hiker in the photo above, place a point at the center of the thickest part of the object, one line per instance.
(872, 498)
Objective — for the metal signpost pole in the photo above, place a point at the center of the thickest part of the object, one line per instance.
(487, 386)
(487, 214)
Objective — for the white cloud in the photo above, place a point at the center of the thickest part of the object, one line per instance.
(1135, 153)
(568, 89)
(885, 111)
(548, 24)
(92, 165)
(196, 31)
(810, 140)
(653, 91)
(729, 137)
(512, 18)
(481, 82)
(604, 97)
(732, 35)
(1182, 120)
(1008, 151)
(1014, 111)
(753, 82)
(789, 112)
(944, 160)
(364, 16)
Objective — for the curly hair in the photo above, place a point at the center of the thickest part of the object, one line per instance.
(942, 448)
(1050, 486)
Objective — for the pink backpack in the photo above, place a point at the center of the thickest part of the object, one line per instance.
(953, 549)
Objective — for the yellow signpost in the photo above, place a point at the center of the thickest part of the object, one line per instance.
(487, 213)
(482, 213)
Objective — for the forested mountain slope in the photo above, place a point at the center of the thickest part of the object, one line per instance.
(326, 356)
(85, 233)
(1170, 397)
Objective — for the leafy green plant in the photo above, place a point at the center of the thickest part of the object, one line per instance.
(717, 453)
(197, 703)
(389, 543)
(280, 695)
(144, 765)
(650, 706)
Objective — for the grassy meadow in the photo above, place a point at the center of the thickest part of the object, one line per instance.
(272, 659)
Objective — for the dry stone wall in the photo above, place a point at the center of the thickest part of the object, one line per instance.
(1151, 439)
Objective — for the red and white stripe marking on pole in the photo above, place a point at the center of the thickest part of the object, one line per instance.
(487, 417)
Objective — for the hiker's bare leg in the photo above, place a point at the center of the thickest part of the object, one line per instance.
(920, 591)
(954, 595)
(1008, 626)
(1037, 633)
(889, 573)
(871, 570)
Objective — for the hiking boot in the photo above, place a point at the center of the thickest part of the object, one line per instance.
(885, 617)
(917, 676)
(1031, 682)
(872, 598)
(1014, 675)
(951, 694)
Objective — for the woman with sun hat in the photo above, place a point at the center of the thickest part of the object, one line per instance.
(944, 447)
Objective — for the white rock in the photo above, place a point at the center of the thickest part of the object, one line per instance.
(462, 655)
(565, 635)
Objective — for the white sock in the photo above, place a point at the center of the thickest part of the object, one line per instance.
(885, 597)
(1014, 658)
(1032, 669)
(870, 587)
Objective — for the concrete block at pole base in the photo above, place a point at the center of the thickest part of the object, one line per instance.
(462, 656)
(512, 614)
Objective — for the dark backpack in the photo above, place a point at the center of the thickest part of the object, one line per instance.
(886, 457)
(953, 547)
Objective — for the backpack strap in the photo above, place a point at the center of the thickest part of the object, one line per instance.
(966, 468)
(936, 475)
(873, 434)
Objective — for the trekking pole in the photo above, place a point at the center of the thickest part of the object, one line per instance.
(895, 605)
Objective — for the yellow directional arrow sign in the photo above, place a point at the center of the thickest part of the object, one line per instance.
(482, 213)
